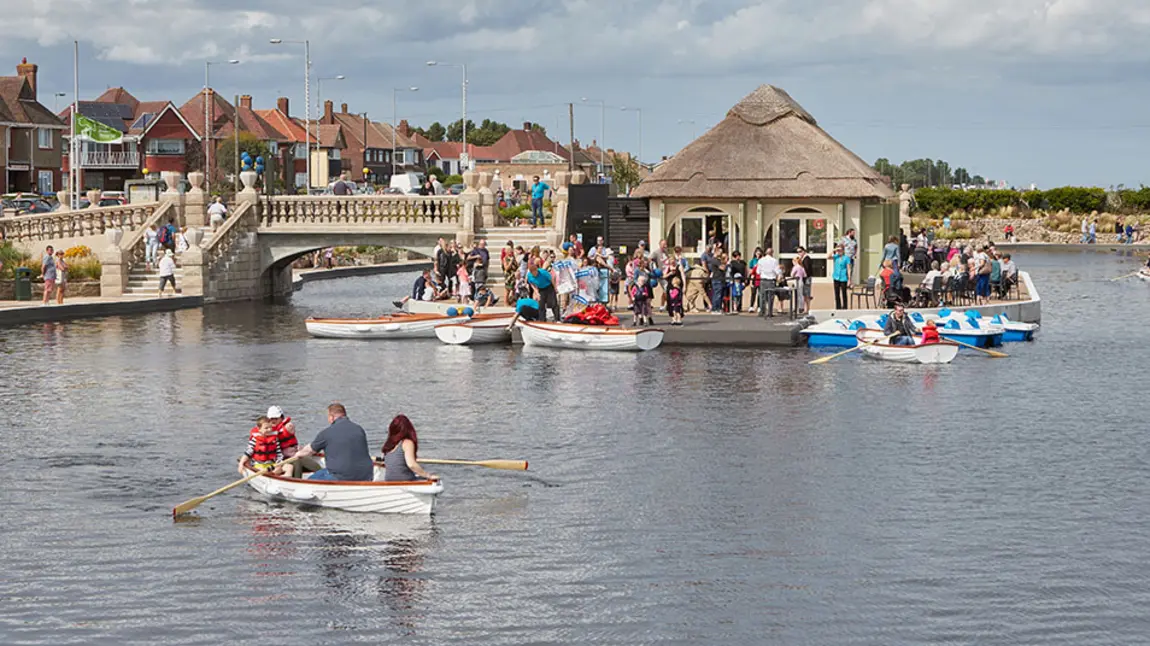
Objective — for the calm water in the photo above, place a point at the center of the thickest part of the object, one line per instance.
(680, 497)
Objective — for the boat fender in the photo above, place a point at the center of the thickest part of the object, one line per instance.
(363, 328)
(952, 325)
(857, 325)
(305, 495)
(944, 312)
(467, 311)
(390, 327)
(451, 311)
(273, 491)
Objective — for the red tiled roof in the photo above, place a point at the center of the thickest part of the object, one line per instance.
(120, 95)
(519, 141)
(290, 128)
(252, 122)
(21, 104)
(193, 112)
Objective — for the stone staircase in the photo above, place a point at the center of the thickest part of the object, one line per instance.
(497, 238)
(146, 282)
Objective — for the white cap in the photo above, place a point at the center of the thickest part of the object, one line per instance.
(275, 411)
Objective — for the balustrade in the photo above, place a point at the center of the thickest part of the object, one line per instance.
(60, 225)
(364, 211)
(239, 223)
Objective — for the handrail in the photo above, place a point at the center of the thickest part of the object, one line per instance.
(227, 235)
(135, 244)
(231, 223)
(76, 224)
(361, 210)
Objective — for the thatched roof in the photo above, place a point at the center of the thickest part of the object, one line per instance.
(767, 147)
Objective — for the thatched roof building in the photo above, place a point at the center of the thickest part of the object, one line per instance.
(767, 147)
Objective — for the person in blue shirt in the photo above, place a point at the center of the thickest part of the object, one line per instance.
(841, 276)
(527, 309)
(538, 190)
(540, 280)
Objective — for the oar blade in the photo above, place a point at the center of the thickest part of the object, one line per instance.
(185, 507)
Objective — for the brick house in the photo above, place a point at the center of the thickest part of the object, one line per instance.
(33, 136)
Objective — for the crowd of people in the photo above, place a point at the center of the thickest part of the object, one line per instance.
(343, 444)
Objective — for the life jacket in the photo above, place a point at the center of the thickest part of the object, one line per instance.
(930, 334)
(164, 235)
(286, 439)
(263, 450)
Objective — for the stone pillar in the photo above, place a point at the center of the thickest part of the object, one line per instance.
(487, 208)
(195, 211)
(94, 198)
(113, 265)
(172, 194)
(65, 200)
(193, 263)
(469, 202)
(249, 193)
(904, 199)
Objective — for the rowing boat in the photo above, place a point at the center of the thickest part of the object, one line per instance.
(493, 328)
(942, 352)
(369, 497)
(406, 326)
(1144, 275)
(589, 337)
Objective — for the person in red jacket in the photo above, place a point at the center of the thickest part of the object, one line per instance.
(264, 450)
(930, 333)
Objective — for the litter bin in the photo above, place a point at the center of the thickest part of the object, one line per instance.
(23, 284)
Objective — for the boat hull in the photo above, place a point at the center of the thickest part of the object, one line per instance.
(589, 337)
(416, 326)
(493, 330)
(835, 333)
(416, 498)
(933, 353)
(977, 338)
(445, 307)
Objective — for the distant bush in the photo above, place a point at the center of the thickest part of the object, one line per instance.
(86, 268)
(13, 258)
(1075, 199)
(452, 179)
(959, 204)
(1135, 200)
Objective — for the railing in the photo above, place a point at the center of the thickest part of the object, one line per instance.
(235, 229)
(135, 242)
(76, 224)
(360, 211)
(118, 159)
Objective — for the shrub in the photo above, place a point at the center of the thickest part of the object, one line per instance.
(85, 268)
(79, 251)
(1135, 200)
(452, 179)
(12, 258)
(512, 213)
(1076, 199)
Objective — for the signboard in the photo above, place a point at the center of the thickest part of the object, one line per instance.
(464, 162)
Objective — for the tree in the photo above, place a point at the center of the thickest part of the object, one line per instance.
(961, 176)
(225, 159)
(486, 134)
(625, 172)
(434, 132)
(437, 172)
(977, 180)
(455, 130)
(538, 128)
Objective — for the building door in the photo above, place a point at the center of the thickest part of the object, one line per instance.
(44, 182)
(807, 228)
(697, 229)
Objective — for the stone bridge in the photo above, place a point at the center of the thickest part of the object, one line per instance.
(250, 255)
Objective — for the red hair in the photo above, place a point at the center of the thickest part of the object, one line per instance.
(399, 430)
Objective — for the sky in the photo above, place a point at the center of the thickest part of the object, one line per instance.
(1050, 92)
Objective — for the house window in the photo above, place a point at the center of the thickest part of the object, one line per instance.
(300, 179)
(165, 146)
(333, 153)
(401, 156)
(273, 148)
(44, 138)
(300, 152)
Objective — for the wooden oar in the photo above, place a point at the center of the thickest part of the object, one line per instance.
(822, 360)
(507, 465)
(185, 507)
(1133, 273)
(994, 354)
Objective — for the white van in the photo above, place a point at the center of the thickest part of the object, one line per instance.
(407, 182)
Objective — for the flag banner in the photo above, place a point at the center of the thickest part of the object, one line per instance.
(90, 130)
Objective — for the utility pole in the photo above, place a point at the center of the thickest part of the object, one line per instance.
(236, 145)
(571, 121)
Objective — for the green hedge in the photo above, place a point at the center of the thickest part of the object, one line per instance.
(1075, 198)
(1136, 199)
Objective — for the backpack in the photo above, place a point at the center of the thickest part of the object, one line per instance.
(164, 236)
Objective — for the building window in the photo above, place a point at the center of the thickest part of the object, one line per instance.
(273, 148)
(300, 151)
(334, 153)
(401, 156)
(45, 178)
(44, 138)
(165, 146)
(300, 179)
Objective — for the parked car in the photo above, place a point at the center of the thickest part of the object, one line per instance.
(405, 181)
(392, 190)
(456, 189)
(30, 206)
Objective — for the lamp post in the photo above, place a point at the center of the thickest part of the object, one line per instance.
(638, 111)
(306, 99)
(602, 135)
(692, 122)
(395, 120)
(56, 101)
(208, 122)
(319, 95)
(463, 157)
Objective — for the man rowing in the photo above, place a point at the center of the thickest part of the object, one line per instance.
(344, 444)
(900, 326)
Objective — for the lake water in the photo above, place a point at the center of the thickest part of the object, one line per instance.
(684, 496)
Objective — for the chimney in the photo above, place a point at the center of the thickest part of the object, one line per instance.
(404, 129)
(343, 108)
(28, 71)
(526, 125)
(282, 105)
(246, 101)
(327, 108)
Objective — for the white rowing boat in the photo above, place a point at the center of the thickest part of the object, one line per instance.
(369, 497)
(447, 307)
(407, 326)
(1144, 275)
(491, 328)
(589, 337)
(941, 352)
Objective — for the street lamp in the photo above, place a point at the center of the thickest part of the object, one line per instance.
(306, 98)
(56, 101)
(394, 117)
(207, 120)
(602, 134)
(638, 111)
(692, 122)
(319, 94)
(463, 157)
